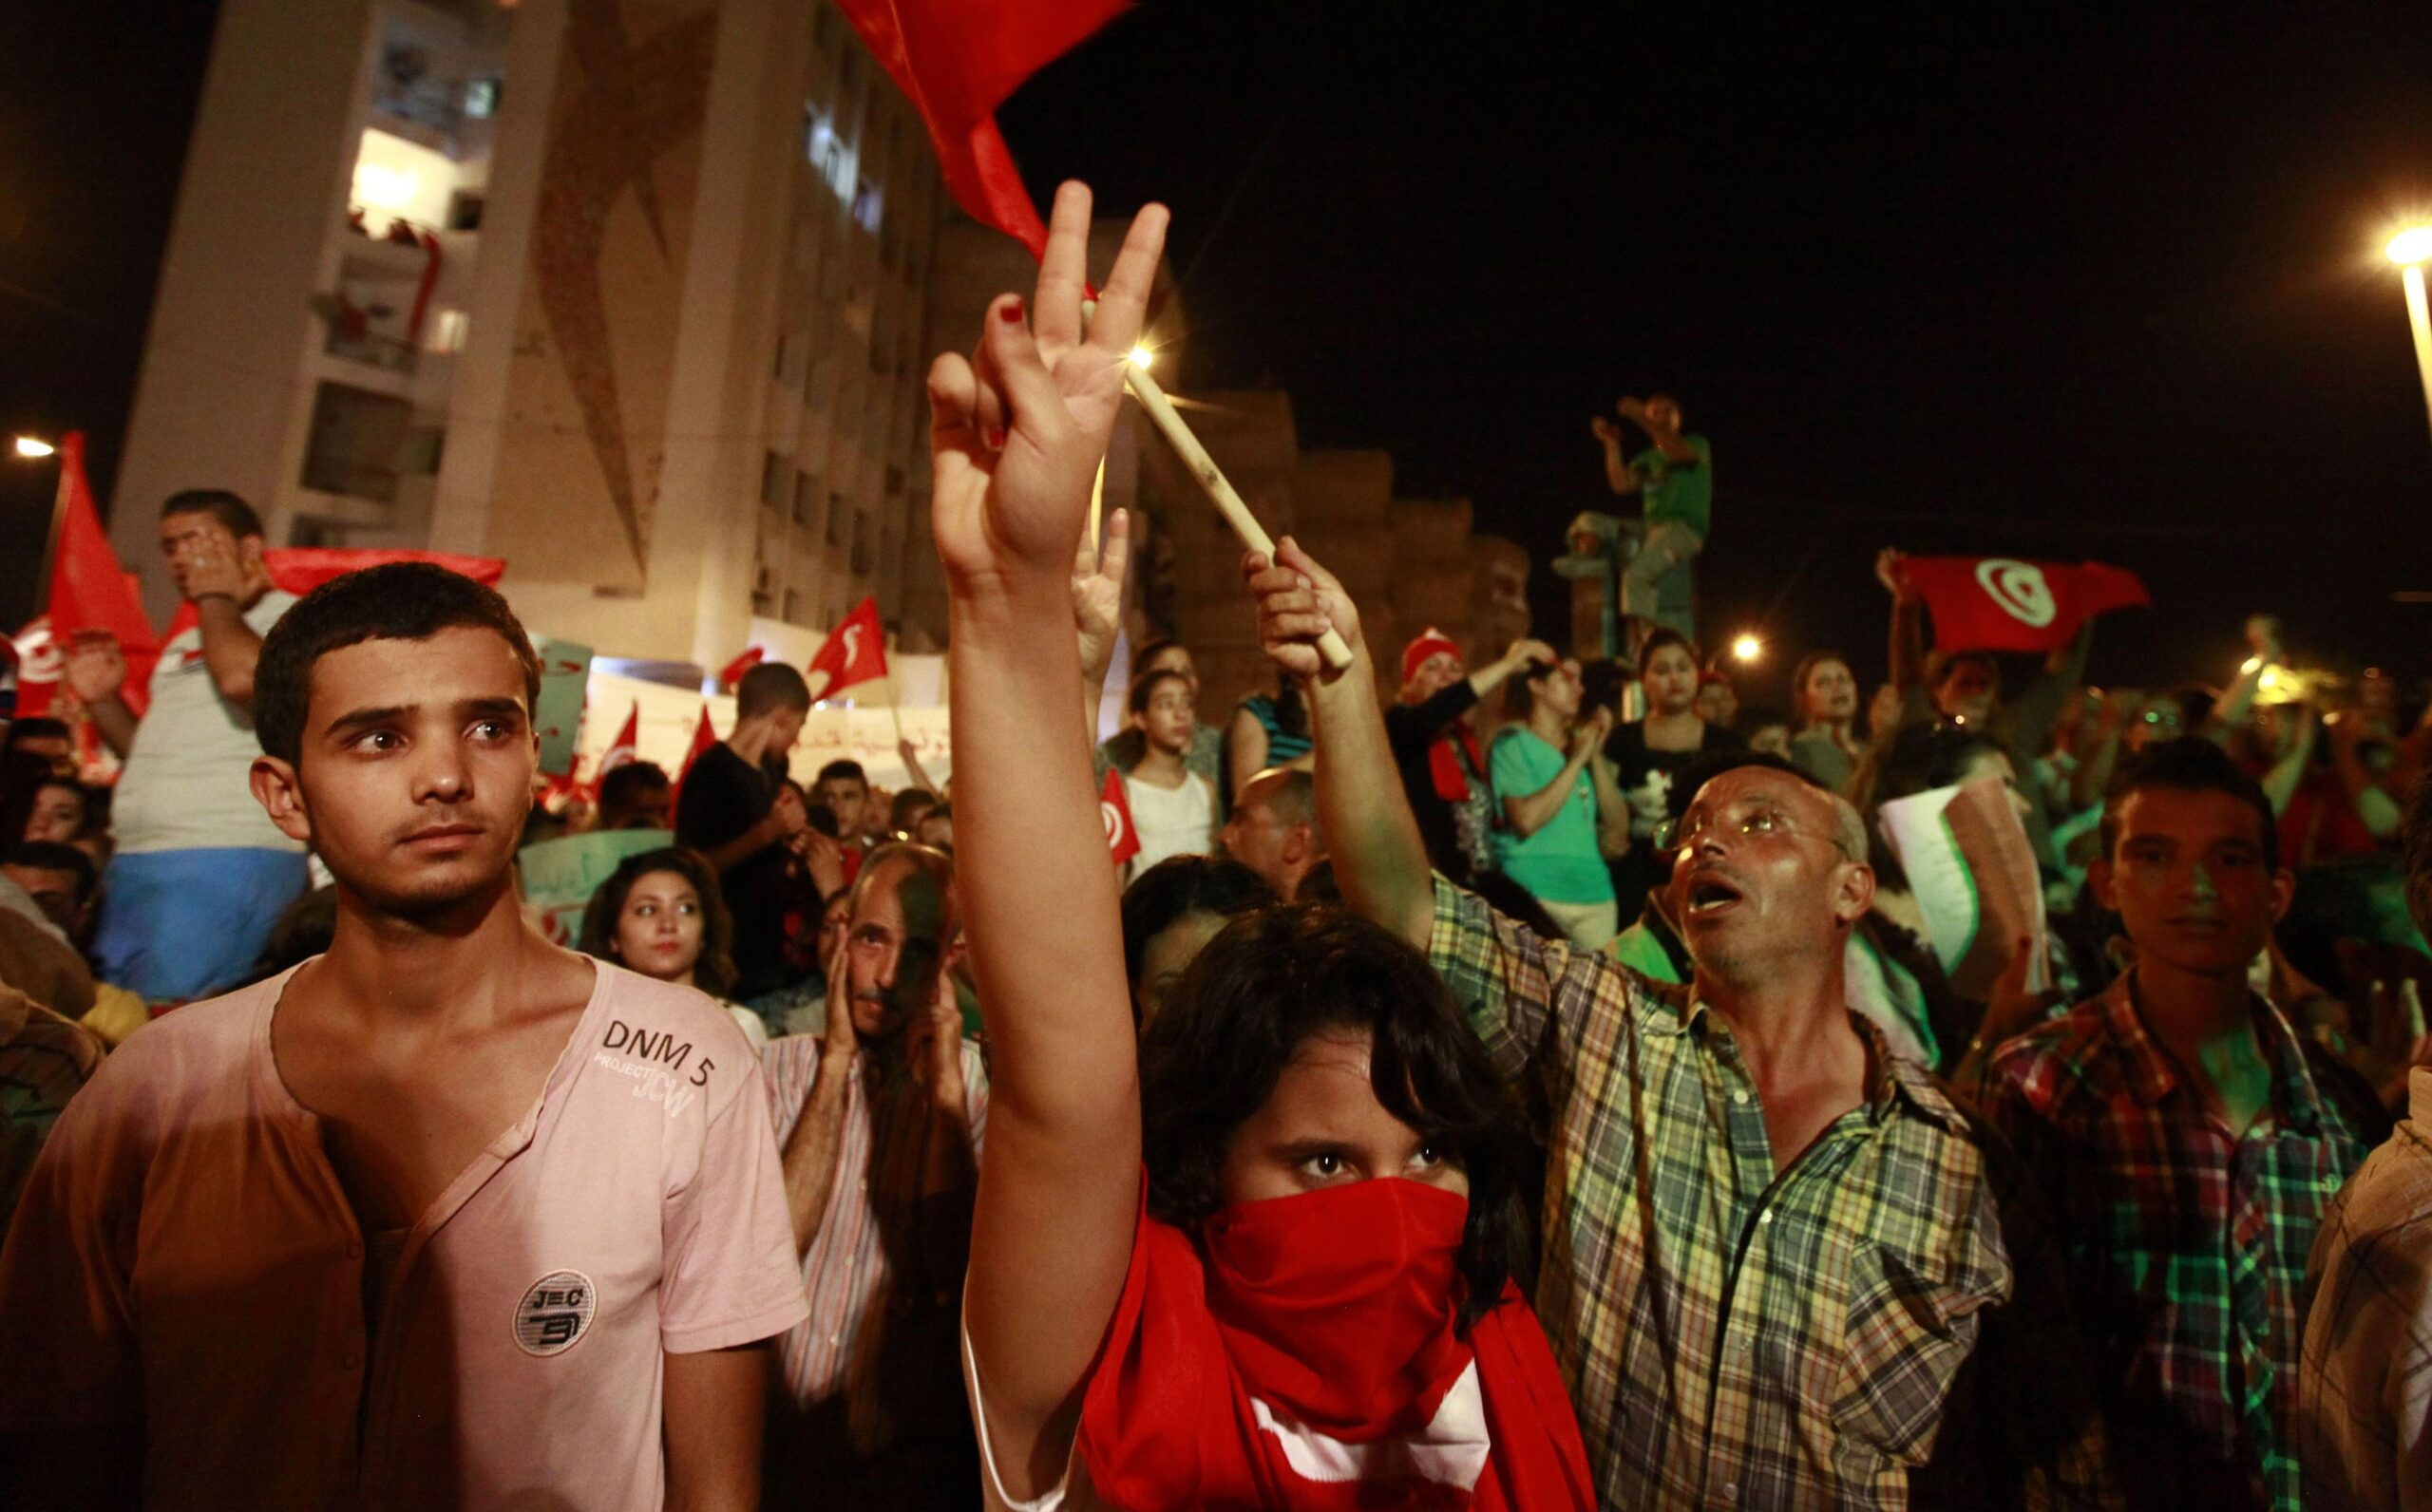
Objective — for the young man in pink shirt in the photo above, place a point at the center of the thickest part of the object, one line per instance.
(447, 1216)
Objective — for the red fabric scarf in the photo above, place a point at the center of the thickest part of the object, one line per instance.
(1444, 763)
(1309, 1360)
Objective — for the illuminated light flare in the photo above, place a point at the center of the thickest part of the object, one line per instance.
(34, 447)
(1747, 647)
(2411, 246)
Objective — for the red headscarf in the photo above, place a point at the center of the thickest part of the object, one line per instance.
(1308, 1359)
(1443, 759)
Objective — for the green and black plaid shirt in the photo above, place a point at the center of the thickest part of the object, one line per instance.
(1732, 1335)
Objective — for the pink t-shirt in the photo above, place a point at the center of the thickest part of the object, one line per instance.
(184, 1258)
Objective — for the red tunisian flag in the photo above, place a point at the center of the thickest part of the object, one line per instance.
(2001, 603)
(854, 652)
(703, 737)
(89, 591)
(957, 60)
(620, 750)
(1115, 812)
(733, 672)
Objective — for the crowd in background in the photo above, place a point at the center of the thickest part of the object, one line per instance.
(1811, 1204)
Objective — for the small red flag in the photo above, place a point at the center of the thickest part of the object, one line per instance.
(2001, 603)
(957, 60)
(854, 652)
(88, 591)
(733, 672)
(703, 737)
(1115, 812)
(620, 750)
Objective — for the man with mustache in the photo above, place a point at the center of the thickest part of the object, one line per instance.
(879, 1118)
(2187, 1141)
(1778, 1266)
(446, 1216)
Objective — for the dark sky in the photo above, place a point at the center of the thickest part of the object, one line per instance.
(2101, 283)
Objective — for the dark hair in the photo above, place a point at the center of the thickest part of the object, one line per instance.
(1952, 661)
(1145, 688)
(220, 504)
(1656, 642)
(35, 727)
(1262, 987)
(770, 686)
(2189, 765)
(2416, 835)
(23, 777)
(407, 600)
(1520, 694)
(1806, 669)
(1150, 650)
(908, 807)
(839, 770)
(53, 855)
(1178, 887)
(715, 971)
(625, 784)
(1918, 759)
(1291, 716)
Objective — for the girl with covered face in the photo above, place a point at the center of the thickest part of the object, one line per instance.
(1295, 1270)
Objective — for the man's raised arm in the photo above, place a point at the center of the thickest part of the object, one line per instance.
(1379, 858)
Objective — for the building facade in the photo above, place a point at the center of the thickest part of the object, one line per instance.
(629, 293)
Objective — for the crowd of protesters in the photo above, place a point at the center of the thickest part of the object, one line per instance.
(1544, 1085)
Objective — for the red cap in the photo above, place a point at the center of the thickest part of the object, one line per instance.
(1426, 644)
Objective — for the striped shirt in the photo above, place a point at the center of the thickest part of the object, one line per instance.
(1732, 1335)
(2186, 1242)
(866, 1269)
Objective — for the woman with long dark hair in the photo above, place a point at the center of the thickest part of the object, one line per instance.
(1292, 1278)
(660, 914)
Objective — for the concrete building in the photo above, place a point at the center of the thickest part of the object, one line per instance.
(630, 292)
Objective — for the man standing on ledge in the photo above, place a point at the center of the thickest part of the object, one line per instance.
(1675, 476)
(200, 875)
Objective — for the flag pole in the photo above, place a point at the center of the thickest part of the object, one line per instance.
(1331, 645)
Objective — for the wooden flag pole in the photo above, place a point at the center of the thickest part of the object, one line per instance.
(1331, 645)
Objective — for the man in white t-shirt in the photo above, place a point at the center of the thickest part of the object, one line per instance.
(199, 874)
(445, 1217)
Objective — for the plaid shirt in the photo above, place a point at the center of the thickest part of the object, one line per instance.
(1735, 1335)
(2366, 1380)
(2186, 1243)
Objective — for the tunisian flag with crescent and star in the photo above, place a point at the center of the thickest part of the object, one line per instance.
(2001, 603)
(854, 652)
(88, 591)
(620, 750)
(957, 60)
(1115, 812)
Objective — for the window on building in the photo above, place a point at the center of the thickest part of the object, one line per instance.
(894, 480)
(835, 519)
(358, 445)
(806, 500)
(773, 480)
(793, 606)
(861, 543)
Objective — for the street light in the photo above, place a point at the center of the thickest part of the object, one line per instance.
(1747, 647)
(2411, 249)
(34, 447)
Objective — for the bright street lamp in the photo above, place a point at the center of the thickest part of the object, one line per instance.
(1747, 647)
(2410, 249)
(34, 447)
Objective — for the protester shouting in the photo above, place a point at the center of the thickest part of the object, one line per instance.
(1315, 1122)
(200, 875)
(436, 1218)
(1780, 1267)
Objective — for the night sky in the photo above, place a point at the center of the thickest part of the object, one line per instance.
(2104, 283)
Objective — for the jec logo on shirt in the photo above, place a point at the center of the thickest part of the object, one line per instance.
(554, 1312)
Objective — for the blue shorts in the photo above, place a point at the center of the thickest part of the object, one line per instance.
(183, 924)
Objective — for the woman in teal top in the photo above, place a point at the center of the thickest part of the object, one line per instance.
(1554, 799)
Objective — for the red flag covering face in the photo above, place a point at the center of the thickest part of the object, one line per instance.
(299, 570)
(1115, 812)
(957, 60)
(855, 652)
(2001, 603)
(88, 591)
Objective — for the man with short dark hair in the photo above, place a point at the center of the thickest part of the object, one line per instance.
(59, 877)
(880, 1119)
(436, 1218)
(737, 810)
(636, 796)
(2177, 1124)
(2365, 1390)
(43, 736)
(1273, 829)
(199, 874)
(843, 788)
